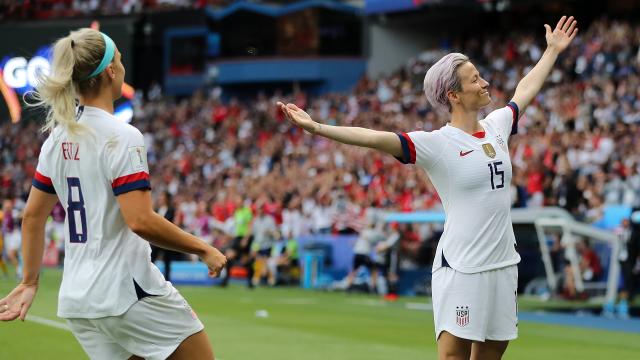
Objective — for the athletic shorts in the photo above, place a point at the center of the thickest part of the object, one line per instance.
(362, 260)
(236, 245)
(13, 240)
(264, 252)
(152, 328)
(481, 306)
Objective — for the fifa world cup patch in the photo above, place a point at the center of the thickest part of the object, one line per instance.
(462, 316)
(138, 157)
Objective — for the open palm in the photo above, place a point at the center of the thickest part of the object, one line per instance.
(17, 303)
(562, 35)
(299, 117)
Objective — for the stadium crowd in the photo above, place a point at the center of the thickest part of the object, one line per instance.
(578, 145)
(50, 9)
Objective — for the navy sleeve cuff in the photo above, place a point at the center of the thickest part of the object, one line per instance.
(43, 187)
(408, 149)
(137, 185)
(516, 115)
(405, 150)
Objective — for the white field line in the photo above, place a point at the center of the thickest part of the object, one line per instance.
(44, 321)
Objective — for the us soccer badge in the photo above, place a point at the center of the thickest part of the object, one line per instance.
(489, 150)
(501, 143)
(462, 316)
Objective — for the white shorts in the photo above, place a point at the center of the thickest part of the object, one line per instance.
(152, 328)
(13, 240)
(481, 306)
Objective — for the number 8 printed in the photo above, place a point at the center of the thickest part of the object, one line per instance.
(76, 206)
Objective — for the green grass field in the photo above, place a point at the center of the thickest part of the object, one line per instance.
(310, 325)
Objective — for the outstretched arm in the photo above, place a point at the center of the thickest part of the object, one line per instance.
(380, 140)
(557, 41)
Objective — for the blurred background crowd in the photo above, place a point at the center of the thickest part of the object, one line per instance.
(578, 145)
(226, 164)
(51, 9)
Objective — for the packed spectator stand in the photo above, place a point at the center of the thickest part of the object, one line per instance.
(52, 9)
(577, 147)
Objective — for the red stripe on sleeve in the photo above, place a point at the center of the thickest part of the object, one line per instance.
(43, 179)
(412, 148)
(129, 179)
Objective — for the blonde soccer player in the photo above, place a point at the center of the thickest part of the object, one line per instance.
(116, 302)
(475, 272)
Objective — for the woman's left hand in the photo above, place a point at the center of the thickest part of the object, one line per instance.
(562, 35)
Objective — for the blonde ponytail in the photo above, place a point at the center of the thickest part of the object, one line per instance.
(72, 60)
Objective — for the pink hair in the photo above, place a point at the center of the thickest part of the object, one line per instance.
(441, 78)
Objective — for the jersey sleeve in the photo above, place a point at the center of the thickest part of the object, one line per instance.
(421, 147)
(505, 120)
(127, 160)
(42, 177)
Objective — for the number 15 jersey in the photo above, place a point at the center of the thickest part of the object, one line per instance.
(107, 266)
(472, 175)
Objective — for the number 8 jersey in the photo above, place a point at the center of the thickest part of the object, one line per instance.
(107, 267)
(472, 175)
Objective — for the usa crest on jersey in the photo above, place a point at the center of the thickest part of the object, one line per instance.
(462, 316)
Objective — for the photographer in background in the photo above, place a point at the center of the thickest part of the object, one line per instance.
(629, 257)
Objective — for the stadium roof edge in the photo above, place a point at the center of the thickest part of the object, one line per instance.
(276, 11)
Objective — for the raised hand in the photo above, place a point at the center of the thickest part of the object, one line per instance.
(18, 302)
(562, 35)
(299, 117)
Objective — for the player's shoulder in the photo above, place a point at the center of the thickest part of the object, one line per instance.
(106, 124)
(509, 111)
(131, 130)
(498, 119)
(436, 132)
(52, 139)
(124, 132)
(432, 135)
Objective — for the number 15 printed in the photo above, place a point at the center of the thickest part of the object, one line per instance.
(495, 173)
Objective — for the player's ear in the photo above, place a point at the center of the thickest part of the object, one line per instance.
(453, 97)
(111, 71)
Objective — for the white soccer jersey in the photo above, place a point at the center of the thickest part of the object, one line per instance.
(107, 267)
(472, 175)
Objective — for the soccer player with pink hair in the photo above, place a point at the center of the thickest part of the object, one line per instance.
(475, 274)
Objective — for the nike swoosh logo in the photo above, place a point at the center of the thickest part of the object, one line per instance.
(465, 153)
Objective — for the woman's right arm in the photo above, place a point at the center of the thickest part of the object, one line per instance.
(136, 208)
(384, 141)
(39, 206)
